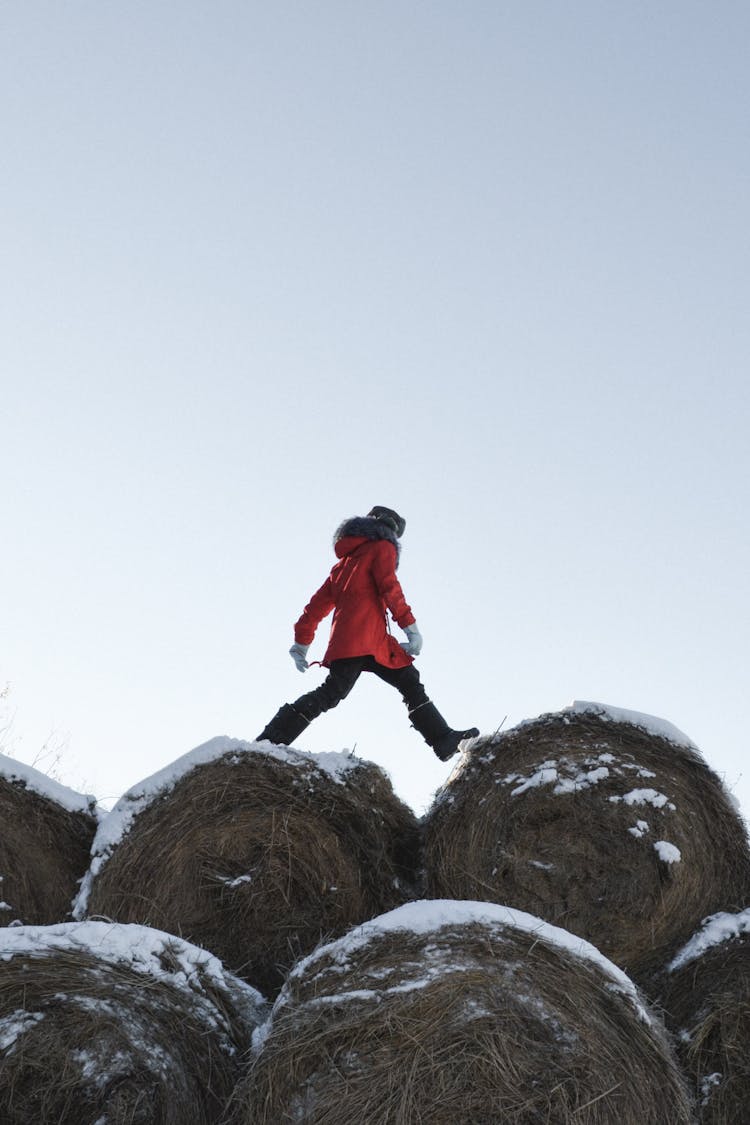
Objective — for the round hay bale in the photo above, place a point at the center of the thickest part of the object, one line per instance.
(597, 820)
(255, 852)
(705, 995)
(45, 839)
(446, 1012)
(117, 1025)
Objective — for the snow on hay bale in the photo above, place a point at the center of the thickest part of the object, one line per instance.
(604, 821)
(705, 996)
(456, 1011)
(45, 838)
(119, 1025)
(255, 852)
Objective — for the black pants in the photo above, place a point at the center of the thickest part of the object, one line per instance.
(343, 675)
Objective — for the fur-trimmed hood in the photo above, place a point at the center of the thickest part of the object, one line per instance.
(367, 527)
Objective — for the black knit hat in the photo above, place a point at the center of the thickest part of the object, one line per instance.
(387, 516)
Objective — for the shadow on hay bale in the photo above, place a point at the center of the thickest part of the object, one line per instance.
(117, 1025)
(46, 832)
(705, 995)
(255, 852)
(597, 824)
(448, 1012)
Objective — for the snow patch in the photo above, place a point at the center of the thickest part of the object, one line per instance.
(645, 797)
(547, 775)
(667, 852)
(553, 773)
(716, 929)
(566, 776)
(583, 780)
(15, 1025)
(234, 883)
(709, 1084)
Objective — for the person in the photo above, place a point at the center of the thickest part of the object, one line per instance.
(361, 590)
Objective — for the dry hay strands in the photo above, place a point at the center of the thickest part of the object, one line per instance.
(446, 1012)
(601, 825)
(117, 1025)
(255, 852)
(46, 832)
(705, 996)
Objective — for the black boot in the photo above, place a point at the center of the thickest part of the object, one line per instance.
(284, 726)
(436, 732)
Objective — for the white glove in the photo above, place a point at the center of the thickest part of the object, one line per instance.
(298, 654)
(413, 646)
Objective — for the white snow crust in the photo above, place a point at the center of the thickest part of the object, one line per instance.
(158, 956)
(667, 853)
(553, 773)
(715, 929)
(145, 950)
(645, 797)
(116, 824)
(430, 916)
(13, 1026)
(566, 776)
(650, 723)
(45, 786)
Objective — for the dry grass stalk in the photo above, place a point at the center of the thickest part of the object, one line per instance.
(44, 852)
(475, 1022)
(612, 832)
(90, 1039)
(257, 859)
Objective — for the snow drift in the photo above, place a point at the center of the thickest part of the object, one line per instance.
(607, 822)
(255, 852)
(460, 1011)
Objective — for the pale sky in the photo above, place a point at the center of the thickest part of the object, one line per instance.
(266, 265)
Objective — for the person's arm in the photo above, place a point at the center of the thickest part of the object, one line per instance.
(319, 606)
(389, 587)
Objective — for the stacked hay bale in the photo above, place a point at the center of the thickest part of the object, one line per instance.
(46, 832)
(705, 994)
(255, 852)
(117, 1025)
(605, 822)
(456, 1011)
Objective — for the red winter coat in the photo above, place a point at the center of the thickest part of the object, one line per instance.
(359, 589)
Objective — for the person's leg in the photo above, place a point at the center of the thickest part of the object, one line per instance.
(405, 680)
(291, 719)
(424, 715)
